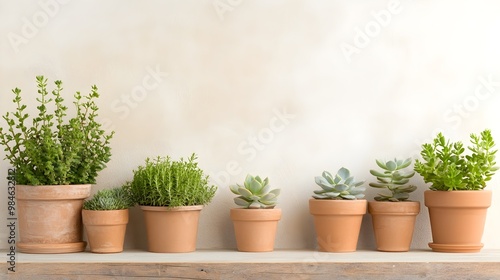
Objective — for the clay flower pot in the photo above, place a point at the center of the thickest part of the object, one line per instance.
(337, 223)
(393, 224)
(171, 229)
(105, 229)
(255, 229)
(50, 219)
(457, 219)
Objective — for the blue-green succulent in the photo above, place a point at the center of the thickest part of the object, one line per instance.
(340, 186)
(394, 179)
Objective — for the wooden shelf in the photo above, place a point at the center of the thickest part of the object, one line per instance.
(281, 264)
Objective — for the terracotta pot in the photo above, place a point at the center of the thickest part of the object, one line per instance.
(105, 230)
(171, 229)
(50, 219)
(255, 229)
(393, 224)
(457, 219)
(337, 223)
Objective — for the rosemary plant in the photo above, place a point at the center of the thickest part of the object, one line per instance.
(164, 182)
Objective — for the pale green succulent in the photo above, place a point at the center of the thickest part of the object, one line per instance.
(395, 179)
(255, 193)
(342, 186)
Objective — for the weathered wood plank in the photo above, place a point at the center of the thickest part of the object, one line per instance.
(252, 271)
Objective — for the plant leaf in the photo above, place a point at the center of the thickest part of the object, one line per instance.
(378, 185)
(328, 176)
(391, 165)
(344, 173)
(241, 202)
(323, 183)
(234, 189)
(381, 164)
(244, 192)
(276, 192)
(405, 163)
(254, 186)
(379, 174)
(341, 187)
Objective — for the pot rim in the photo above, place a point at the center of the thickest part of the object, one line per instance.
(462, 199)
(337, 207)
(53, 192)
(107, 211)
(65, 185)
(171, 209)
(245, 214)
(403, 208)
(105, 217)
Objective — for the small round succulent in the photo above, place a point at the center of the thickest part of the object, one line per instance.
(110, 199)
(342, 186)
(255, 193)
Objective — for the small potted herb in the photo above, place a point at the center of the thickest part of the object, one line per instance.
(105, 217)
(457, 200)
(393, 215)
(338, 209)
(171, 195)
(57, 157)
(255, 224)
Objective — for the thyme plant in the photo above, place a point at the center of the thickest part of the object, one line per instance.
(55, 150)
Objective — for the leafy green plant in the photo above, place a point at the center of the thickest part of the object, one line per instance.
(394, 179)
(54, 150)
(447, 168)
(164, 182)
(342, 186)
(110, 199)
(255, 193)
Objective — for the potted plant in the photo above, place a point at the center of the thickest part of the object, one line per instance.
(393, 215)
(457, 200)
(338, 209)
(171, 195)
(56, 160)
(105, 217)
(255, 224)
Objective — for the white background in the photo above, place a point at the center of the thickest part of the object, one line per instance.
(357, 80)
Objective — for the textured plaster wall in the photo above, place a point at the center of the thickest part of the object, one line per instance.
(284, 89)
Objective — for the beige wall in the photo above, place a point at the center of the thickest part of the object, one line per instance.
(284, 89)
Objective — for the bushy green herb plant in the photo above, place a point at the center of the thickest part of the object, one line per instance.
(394, 179)
(54, 150)
(342, 186)
(110, 199)
(447, 168)
(255, 193)
(164, 182)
